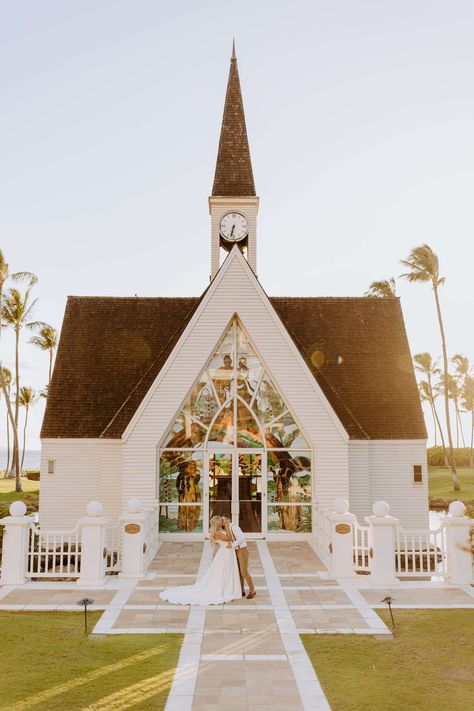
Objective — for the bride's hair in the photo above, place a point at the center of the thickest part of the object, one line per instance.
(214, 525)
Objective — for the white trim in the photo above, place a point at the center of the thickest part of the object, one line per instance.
(388, 442)
(235, 254)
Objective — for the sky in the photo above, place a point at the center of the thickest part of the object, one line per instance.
(360, 120)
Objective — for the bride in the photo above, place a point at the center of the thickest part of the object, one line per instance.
(221, 583)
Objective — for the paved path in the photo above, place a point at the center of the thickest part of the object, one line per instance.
(246, 654)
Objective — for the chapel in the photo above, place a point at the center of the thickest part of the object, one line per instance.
(233, 401)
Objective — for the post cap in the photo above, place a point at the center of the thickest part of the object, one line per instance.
(134, 505)
(94, 509)
(457, 509)
(380, 508)
(341, 505)
(17, 509)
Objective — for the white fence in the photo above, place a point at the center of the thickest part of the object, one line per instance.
(387, 551)
(420, 552)
(53, 554)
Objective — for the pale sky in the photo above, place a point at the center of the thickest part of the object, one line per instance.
(360, 118)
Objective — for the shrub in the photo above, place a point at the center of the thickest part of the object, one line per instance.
(436, 456)
(3, 512)
(33, 475)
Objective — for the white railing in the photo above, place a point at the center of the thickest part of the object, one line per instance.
(113, 548)
(150, 535)
(420, 552)
(53, 554)
(322, 529)
(361, 551)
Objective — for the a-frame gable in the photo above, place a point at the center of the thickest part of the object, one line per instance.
(235, 290)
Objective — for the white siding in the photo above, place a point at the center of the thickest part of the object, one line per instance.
(85, 469)
(359, 479)
(236, 291)
(391, 479)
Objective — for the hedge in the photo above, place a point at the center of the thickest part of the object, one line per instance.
(436, 456)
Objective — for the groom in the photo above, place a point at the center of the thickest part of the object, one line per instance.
(240, 545)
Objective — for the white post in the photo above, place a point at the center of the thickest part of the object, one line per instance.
(382, 545)
(341, 561)
(133, 540)
(92, 529)
(15, 545)
(458, 545)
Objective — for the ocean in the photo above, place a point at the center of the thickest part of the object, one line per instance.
(32, 459)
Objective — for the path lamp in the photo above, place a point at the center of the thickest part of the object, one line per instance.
(84, 603)
(388, 601)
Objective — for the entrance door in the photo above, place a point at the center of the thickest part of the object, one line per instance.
(236, 487)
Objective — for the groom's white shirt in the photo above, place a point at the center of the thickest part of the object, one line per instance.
(239, 541)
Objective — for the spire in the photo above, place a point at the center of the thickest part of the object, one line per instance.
(233, 176)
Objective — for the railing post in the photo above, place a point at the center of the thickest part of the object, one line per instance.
(93, 551)
(382, 545)
(458, 545)
(133, 540)
(15, 545)
(341, 547)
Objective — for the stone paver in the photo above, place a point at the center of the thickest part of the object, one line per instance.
(246, 654)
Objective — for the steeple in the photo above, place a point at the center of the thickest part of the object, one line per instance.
(233, 176)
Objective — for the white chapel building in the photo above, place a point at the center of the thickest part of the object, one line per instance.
(233, 401)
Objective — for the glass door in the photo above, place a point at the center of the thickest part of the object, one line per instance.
(236, 486)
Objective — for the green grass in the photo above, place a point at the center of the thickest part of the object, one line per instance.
(30, 493)
(47, 662)
(428, 665)
(440, 484)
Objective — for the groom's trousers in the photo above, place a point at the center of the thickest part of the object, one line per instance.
(243, 561)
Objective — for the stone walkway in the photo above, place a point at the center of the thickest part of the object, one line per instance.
(246, 654)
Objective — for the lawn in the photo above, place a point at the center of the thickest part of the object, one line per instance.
(29, 495)
(440, 484)
(428, 665)
(47, 662)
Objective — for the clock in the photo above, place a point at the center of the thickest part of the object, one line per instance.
(233, 227)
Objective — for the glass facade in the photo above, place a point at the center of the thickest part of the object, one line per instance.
(235, 448)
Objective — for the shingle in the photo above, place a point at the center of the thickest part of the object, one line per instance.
(112, 349)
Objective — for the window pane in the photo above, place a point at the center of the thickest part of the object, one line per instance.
(248, 430)
(222, 431)
(292, 519)
(221, 367)
(180, 519)
(289, 476)
(201, 402)
(268, 403)
(220, 478)
(250, 516)
(180, 477)
(185, 433)
(248, 367)
(285, 433)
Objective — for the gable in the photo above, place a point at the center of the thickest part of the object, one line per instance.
(111, 351)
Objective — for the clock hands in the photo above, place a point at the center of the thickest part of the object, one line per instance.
(232, 231)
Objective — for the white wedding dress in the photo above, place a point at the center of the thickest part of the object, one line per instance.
(221, 583)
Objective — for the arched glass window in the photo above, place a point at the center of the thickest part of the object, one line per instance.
(235, 447)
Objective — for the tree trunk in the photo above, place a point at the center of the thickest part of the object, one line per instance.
(471, 457)
(452, 459)
(443, 444)
(460, 425)
(16, 448)
(24, 438)
(8, 446)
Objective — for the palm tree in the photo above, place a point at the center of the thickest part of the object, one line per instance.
(47, 341)
(15, 312)
(463, 369)
(383, 289)
(27, 399)
(425, 364)
(423, 266)
(7, 377)
(17, 276)
(468, 405)
(454, 393)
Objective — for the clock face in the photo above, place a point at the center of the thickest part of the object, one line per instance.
(234, 227)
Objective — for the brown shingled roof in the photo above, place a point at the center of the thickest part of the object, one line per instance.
(112, 349)
(233, 176)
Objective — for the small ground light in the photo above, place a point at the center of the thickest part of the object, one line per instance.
(388, 601)
(84, 603)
